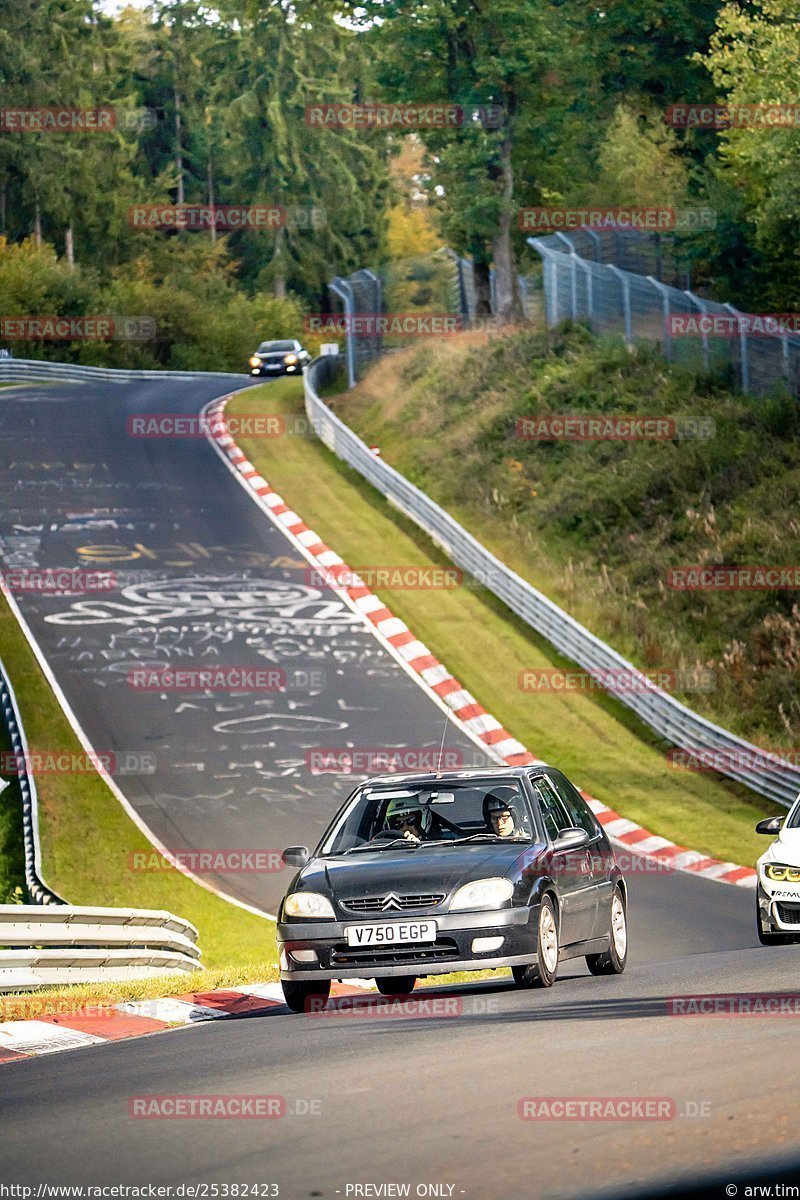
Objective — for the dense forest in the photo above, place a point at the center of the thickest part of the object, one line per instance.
(556, 103)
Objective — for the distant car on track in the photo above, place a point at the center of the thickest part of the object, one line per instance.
(279, 358)
(778, 886)
(454, 871)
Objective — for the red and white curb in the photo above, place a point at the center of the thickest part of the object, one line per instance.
(95, 1022)
(434, 677)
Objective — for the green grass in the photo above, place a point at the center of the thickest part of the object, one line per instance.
(87, 836)
(603, 747)
(12, 853)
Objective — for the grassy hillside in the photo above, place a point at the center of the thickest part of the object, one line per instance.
(597, 525)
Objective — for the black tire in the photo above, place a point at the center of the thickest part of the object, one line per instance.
(542, 973)
(306, 997)
(398, 985)
(613, 960)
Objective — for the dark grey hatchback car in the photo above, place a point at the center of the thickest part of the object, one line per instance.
(459, 871)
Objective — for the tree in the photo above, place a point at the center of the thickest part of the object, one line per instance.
(491, 60)
(640, 163)
(333, 181)
(754, 58)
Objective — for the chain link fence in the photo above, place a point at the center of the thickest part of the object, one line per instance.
(618, 281)
(360, 296)
(690, 330)
(386, 308)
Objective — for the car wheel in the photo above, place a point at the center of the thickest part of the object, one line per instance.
(543, 972)
(613, 960)
(399, 985)
(306, 997)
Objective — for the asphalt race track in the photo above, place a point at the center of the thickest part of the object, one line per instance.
(370, 1099)
(206, 580)
(402, 1100)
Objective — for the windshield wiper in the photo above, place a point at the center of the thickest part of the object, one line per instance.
(480, 837)
(401, 841)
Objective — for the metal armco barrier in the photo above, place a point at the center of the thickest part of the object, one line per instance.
(780, 781)
(66, 944)
(37, 889)
(32, 370)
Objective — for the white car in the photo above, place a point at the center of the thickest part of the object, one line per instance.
(778, 888)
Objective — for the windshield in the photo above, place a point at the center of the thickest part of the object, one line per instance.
(275, 347)
(448, 814)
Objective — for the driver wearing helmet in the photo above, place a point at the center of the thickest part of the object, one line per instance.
(408, 819)
(500, 814)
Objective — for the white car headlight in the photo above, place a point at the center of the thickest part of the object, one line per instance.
(483, 893)
(309, 904)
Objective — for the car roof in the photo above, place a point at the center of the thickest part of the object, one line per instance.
(465, 773)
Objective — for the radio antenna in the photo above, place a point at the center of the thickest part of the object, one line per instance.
(444, 734)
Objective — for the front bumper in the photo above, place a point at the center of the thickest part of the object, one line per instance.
(778, 907)
(276, 372)
(452, 950)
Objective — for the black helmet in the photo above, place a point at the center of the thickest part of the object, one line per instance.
(500, 800)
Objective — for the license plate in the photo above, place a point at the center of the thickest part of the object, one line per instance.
(398, 931)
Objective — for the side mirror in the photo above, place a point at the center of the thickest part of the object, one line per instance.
(770, 825)
(572, 839)
(296, 856)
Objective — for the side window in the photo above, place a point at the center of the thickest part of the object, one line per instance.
(580, 815)
(554, 814)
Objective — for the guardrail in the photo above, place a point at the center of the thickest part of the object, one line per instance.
(766, 774)
(25, 370)
(68, 944)
(37, 889)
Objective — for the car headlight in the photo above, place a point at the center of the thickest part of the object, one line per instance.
(483, 893)
(781, 873)
(255, 361)
(309, 904)
(291, 358)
